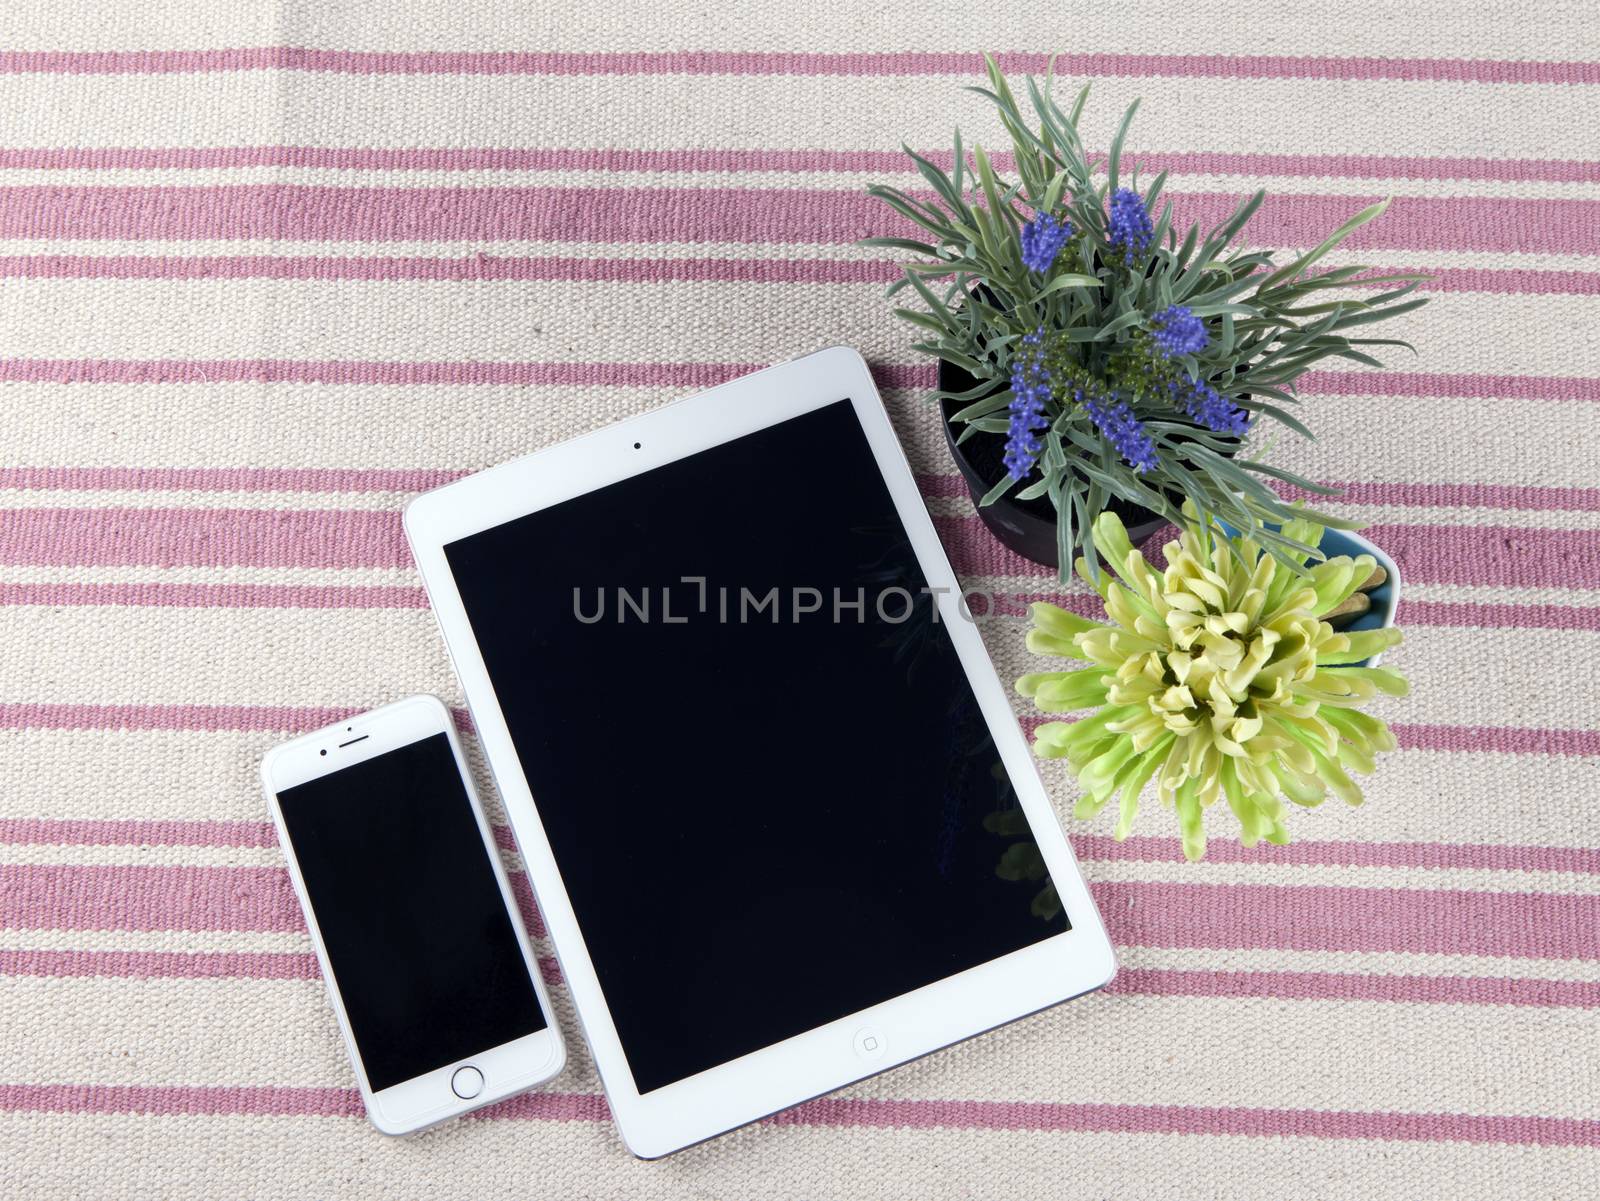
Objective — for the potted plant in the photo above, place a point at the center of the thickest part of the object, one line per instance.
(1092, 358)
(1219, 678)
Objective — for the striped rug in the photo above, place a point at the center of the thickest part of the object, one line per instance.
(267, 270)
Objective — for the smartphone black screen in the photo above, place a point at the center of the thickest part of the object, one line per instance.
(416, 929)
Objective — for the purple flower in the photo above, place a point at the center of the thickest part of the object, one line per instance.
(1129, 222)
(1115, 420)
(1215, 411)
(1042, 240)
(1179, 331)
(1030, 388)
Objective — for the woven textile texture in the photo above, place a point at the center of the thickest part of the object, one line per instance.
(267, 269)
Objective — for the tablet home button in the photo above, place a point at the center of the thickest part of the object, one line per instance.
(467, 1083)
(870, 1043)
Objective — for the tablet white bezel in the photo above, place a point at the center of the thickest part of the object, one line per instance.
(818, 1061)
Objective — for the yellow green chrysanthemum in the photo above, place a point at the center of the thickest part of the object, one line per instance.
(1218, 680)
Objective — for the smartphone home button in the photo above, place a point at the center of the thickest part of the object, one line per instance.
(467, 1083)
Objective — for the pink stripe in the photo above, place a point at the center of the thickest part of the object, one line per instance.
(1294, 986)
(1450, 386)
(1508, 616)
(497, 158)
(1349, 986)
(1326, 918)
(204, 537)
(483, 267)
(1356, 492)
(52, 897)
(729, 62)
(522, 890)
(1513, 740)
(777, 215)
(477, 267)
(1519, 281)
(97, 897)
(1295, 917)
(698, 375)
(1427, 554)
(1464, 496)
(38, 831)
(186, 965)
(1403, 855)
(325, 538)
(1374, 166)
(1043, 1116)
(549, 1107)
(378, 479)
(1484, 554)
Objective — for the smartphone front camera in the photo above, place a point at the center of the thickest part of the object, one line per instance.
(323, 751)
(637, 445)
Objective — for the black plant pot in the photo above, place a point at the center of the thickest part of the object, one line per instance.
(1027, 527)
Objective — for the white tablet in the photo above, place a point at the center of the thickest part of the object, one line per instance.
(781, 822)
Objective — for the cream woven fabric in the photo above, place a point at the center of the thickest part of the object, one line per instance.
(267, 269)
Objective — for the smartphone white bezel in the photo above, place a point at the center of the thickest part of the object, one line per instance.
(905, 1027)
(507, 1069)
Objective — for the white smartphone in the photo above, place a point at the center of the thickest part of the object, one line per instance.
(433, 981)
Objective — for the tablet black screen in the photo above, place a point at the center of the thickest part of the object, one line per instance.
(770, 809)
